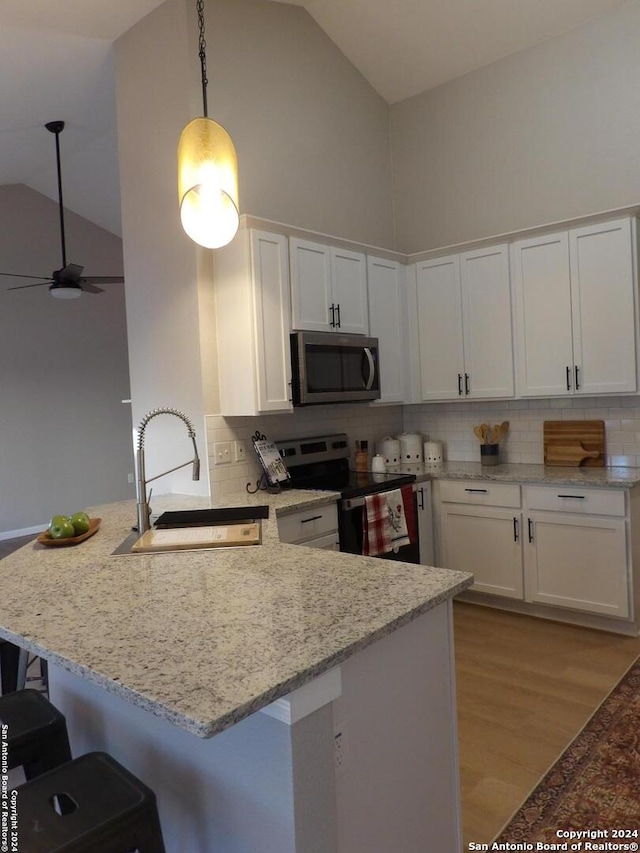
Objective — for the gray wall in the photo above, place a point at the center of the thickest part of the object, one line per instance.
(546, 134)
(65, 436)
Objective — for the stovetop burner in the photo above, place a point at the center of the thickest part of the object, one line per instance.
(322, 462)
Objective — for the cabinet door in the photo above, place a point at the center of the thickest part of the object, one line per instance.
(270, 262)
(602, 290)
(310, 286)
(543, 316)
(330, 542)
(425, 524)
(349, 288)
(578, 562)
(440, 328)
(387, 315)
(486, 315)
(251, 294)
(486, 542)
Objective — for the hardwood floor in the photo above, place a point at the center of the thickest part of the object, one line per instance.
(525, 688)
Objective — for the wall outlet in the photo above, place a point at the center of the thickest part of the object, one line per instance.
(241, 451)
(129, 478)
(221, 452)
(340, 749)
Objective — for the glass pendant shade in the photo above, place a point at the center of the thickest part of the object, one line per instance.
(208, 183)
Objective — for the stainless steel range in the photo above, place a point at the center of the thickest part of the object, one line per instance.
(322, 462)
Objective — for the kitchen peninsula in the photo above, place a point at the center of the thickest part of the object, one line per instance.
(221, 678)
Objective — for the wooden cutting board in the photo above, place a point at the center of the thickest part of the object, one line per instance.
(565, 443)
(188, 538)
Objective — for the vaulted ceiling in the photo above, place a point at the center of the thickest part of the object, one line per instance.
(56, 63)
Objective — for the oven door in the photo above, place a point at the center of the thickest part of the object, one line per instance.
(350, 517)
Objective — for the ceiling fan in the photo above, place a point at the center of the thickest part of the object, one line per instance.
(67, 282)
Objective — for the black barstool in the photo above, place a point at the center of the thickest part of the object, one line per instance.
(90, 805)
(36, 732)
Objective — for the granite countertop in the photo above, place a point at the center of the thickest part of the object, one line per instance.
(608, 477)
(206, 638)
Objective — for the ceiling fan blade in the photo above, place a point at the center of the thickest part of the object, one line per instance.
(22, 286)
(18, 275)
(102, 279)
(70, 272)
(90, 288)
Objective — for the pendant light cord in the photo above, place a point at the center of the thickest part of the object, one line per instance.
(202, 45)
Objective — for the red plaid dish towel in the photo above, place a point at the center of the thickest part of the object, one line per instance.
(376, 526)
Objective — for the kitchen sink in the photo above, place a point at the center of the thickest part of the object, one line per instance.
(249, 518)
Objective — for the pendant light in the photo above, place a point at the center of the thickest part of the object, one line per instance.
(207, 171)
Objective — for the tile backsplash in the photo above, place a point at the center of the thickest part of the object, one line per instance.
(357, 421)
(451, 423)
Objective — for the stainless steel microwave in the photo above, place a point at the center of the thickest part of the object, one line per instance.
(328, 367)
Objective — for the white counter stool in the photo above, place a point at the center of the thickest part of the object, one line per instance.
(90, 805)
(36, 732)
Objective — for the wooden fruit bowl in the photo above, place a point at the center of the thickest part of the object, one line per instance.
(45, 538)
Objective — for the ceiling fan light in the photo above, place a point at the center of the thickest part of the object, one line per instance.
(63, 291)
(208, 183)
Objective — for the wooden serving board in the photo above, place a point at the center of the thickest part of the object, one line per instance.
(45, 538)
(188, 538)
(565, 443)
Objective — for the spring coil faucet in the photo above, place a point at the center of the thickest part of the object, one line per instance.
(142, 503)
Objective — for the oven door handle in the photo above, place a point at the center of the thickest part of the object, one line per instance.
(372, 369)
(354, 503)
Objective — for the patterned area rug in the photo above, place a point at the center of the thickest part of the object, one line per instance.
(595, 784)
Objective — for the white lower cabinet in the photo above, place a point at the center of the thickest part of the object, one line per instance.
(424, 504)
(316, 527)
(561, 547)
(481, 532)
(578, 562)
(485, 541)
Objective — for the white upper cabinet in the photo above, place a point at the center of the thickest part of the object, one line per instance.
(328, 288)
(486, 322)
(253, 324)
(575, 311)
(440, 328)
(464, 325)
(387, 322)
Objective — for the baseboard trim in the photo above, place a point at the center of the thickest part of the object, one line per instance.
(23, 531)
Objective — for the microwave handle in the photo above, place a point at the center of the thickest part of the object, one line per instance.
(372, 368)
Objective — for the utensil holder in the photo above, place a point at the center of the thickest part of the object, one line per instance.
(489, 454)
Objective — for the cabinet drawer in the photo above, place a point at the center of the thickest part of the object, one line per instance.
(309, 524)
(480, 492)
(328, 542)
(568, 499)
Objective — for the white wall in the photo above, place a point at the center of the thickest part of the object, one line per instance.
(313, 147)
(547, 134)
(65, 436)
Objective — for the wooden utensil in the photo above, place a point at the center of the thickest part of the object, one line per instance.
(479, 433)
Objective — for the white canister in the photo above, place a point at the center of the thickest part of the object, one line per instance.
(378, 464)
(410, 447)
(433, 453)
(389, 448)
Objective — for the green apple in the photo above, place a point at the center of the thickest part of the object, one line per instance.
(62, 529)
(57, 519)
(81, 522)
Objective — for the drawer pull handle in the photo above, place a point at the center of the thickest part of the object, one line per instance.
(480, 491)
(573, 497)
(313, 518)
